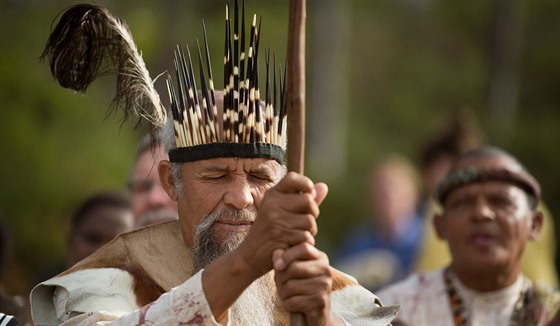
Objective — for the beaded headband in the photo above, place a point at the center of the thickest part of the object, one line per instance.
(470, 175)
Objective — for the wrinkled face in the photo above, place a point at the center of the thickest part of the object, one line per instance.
(96, 229)
(149, 200)
(220, 186)
(487, 224)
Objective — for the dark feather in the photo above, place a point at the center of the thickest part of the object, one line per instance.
(78, 47)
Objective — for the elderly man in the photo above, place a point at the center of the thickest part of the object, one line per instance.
(489, 202)
(242, 252)
(150, 203)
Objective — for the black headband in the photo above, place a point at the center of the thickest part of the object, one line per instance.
(216, 150)
(470, 175)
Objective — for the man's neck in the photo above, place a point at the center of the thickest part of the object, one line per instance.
(484, 280)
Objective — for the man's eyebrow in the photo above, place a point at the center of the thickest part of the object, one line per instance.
(215, 168)
(259, 169)
(263, 169)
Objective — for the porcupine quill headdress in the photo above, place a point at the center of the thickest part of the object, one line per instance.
(208, 123)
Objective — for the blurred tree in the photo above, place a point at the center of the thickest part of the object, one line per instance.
(505, 52)
(328, 117)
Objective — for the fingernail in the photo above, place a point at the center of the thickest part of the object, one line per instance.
(279, 264)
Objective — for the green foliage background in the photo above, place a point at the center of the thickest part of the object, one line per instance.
(412, 64)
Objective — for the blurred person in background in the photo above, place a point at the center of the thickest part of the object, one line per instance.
(384, 248)
(461, 134)
(150, 203)
(98, 220)
(490, 212)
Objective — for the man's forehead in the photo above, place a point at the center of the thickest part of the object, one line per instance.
(231, 163)
(151, 156)
(146, 166)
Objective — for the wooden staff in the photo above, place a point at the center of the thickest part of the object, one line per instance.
(296, 100)
(296, 86)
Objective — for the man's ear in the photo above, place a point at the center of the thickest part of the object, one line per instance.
(537, 221)
(166, 178)
(439, 226)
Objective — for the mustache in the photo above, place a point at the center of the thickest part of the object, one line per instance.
(229, 214)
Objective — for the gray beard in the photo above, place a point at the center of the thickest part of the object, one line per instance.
(256, 304)
(209, 245)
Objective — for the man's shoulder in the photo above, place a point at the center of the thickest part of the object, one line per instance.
(416, 284)
(544, 304)
(138, 249)
(547, 291)
(548, 296)
(422, 297)
(134, 268)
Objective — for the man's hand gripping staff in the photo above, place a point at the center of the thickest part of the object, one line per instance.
(282, 238)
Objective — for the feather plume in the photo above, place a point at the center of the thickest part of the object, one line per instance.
(83, 39)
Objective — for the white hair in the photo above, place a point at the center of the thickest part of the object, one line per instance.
(168, 142)
(168, 135)
(177, 176)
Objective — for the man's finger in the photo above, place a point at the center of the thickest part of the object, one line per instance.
(321, 190)
(294, 182)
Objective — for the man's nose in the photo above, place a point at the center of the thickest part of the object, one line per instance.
(239, 195)
(482, 210)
